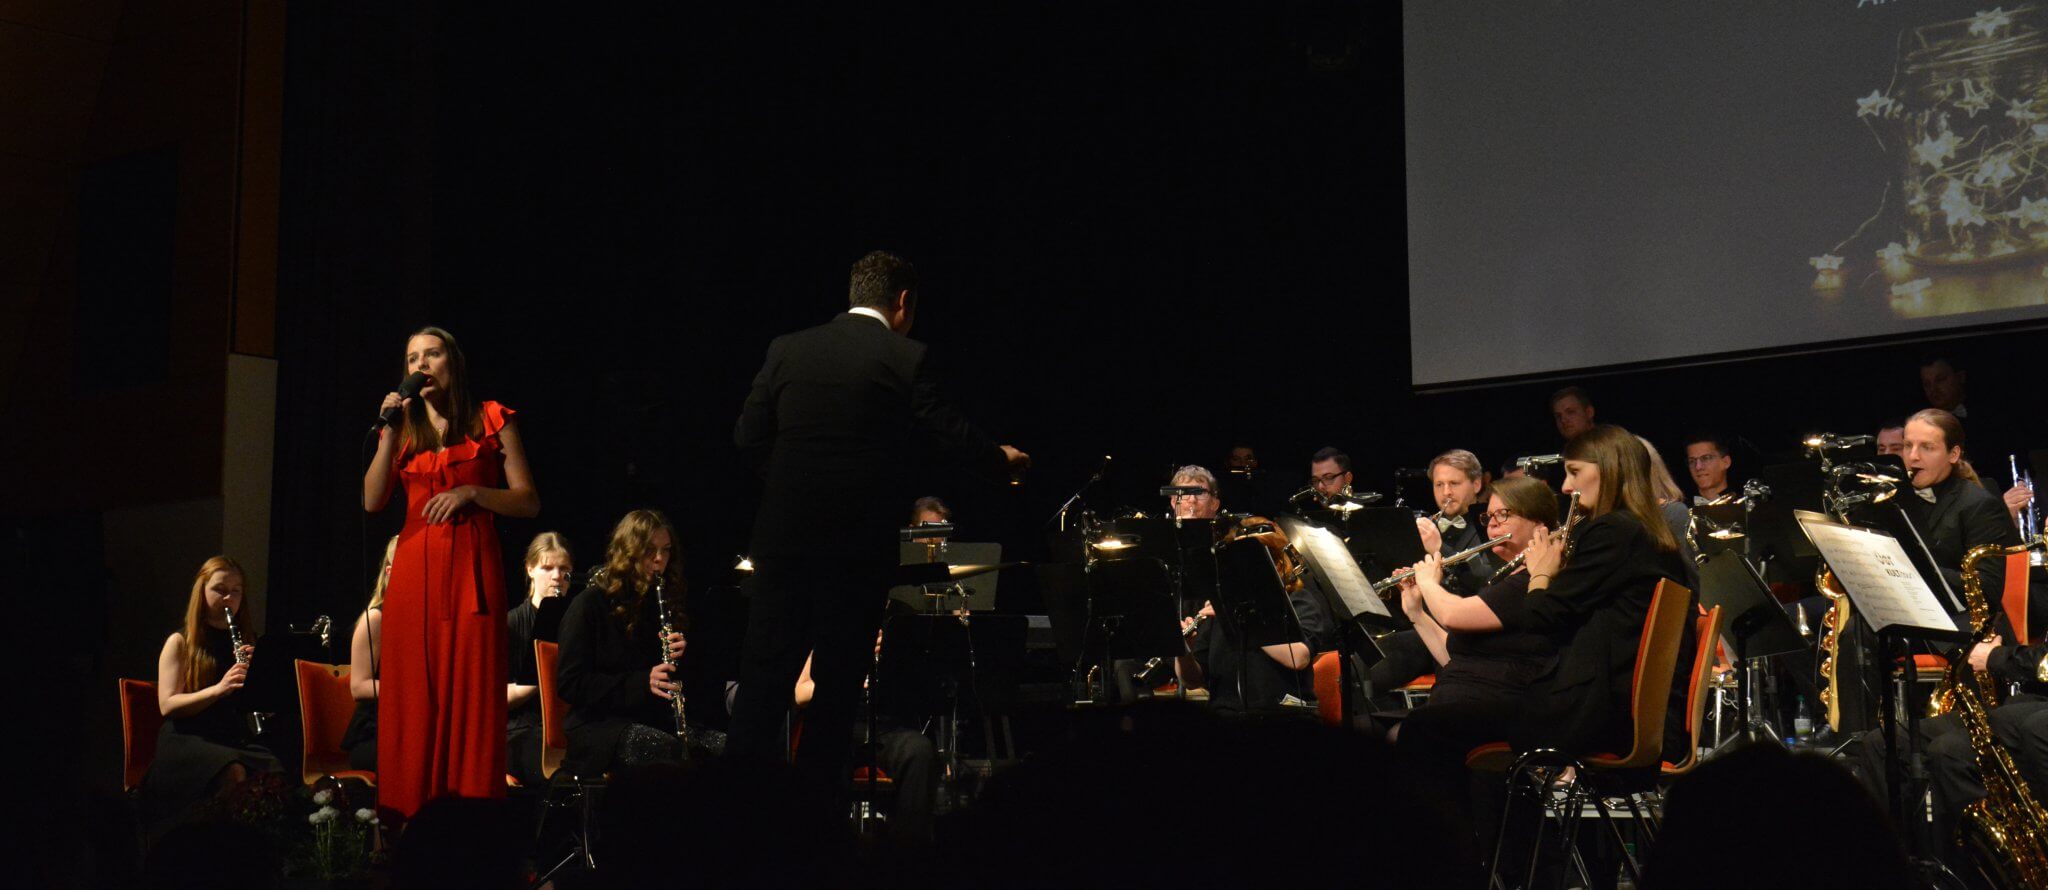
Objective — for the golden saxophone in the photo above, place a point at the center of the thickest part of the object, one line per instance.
(2007, 831)
(1833, 624)
(668, 626)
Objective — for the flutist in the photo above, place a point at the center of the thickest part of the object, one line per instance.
(1504, 664)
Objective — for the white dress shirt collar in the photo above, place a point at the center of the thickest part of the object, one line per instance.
(873, 313)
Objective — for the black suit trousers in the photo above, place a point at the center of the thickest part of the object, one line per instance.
(827, 610)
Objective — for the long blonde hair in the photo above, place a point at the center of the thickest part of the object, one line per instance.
(1661, 481)
(632, 539)
(200, 667)
(383, 574)
(1625, 479)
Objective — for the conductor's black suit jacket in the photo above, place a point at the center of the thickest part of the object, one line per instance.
(838, 418)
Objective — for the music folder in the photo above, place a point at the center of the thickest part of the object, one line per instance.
(1335, 571)
(1888, 592)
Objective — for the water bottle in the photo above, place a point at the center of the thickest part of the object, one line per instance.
(1802, 720)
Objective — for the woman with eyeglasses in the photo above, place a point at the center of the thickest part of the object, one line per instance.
(1501, 664)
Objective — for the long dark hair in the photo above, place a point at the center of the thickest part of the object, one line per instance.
(465, 414)
(1625, 479)
(200, 668)
(624, 591)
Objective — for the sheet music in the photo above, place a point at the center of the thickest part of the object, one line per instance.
(1332, 561)
(1875, 572)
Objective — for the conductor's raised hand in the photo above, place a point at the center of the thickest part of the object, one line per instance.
(658, 681)
(1017, 461)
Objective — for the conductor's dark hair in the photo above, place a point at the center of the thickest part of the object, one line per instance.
(878, 278)
(1330, 452)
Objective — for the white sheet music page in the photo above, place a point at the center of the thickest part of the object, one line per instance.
(1875, 572)
(1325, 551)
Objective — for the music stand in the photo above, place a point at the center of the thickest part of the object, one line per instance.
(1757, 626)
(1131, 613)
(1897, 604)
(1346, 591)
(1251, 602)
(1775, 541)
(1383, 540)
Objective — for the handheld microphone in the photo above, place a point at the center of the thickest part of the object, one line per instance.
(409, 388)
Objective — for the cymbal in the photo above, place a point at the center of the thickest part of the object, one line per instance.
(968, 571)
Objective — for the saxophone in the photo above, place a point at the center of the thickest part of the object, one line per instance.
(668, 626)
(1832, 625)
(2006, 833)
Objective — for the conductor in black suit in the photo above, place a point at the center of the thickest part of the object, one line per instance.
(839, 416)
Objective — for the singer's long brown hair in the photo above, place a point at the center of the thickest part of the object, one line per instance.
(465, 414)
(200, 668)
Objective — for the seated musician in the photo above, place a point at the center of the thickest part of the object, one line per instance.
(905, 755)
(360, 739)
(1501, 664)
(1949, 504)
(1708, 460)
(612, 674)
(1329, 471)
(1891, 439)
(1671, 504)
(548, 569)
(204, 747)
(1591, 607)
(1456, 480)
(2019, 724)
(1218, 660)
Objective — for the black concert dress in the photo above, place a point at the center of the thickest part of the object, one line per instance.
(192, 750)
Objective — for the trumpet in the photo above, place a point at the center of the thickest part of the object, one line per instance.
(2030, 521)
(668, 626)
(1381, 586)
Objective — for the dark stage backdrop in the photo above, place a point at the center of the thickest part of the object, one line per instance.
(1146, 231)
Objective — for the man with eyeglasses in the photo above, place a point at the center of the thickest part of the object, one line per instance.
(1330, 472)
(1707, 460)
(1274, 671)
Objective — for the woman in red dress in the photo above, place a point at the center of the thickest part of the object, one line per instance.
(441, 720)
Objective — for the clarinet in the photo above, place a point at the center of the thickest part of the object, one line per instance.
(255, 719)
(676, 673)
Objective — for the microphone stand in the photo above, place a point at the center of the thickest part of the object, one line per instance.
(1059, 516)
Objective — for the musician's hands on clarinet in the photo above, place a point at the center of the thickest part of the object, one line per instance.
(658, 681)
(236, 675)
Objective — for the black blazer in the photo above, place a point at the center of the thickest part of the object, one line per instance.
(603, 677)
(838, 417)
(1594, 609)
(1964, 515)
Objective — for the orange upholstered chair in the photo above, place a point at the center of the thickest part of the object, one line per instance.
(1329, 689)
(1664, 630)
(325, 706)
(141, 717)
(554, 744)
(1709, 629)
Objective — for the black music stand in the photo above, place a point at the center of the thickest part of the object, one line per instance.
(1346, 592)
(1251, 602)
(1756, 624)
(1775, 541)
(1871, 567)
(1132, 613)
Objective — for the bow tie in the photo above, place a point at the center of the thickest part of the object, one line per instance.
(1926, 494)
(1445, 523)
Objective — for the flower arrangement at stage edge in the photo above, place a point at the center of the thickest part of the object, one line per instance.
(342, 840)
(1966, 113)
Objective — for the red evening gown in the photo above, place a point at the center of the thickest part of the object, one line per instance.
(441, 714)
